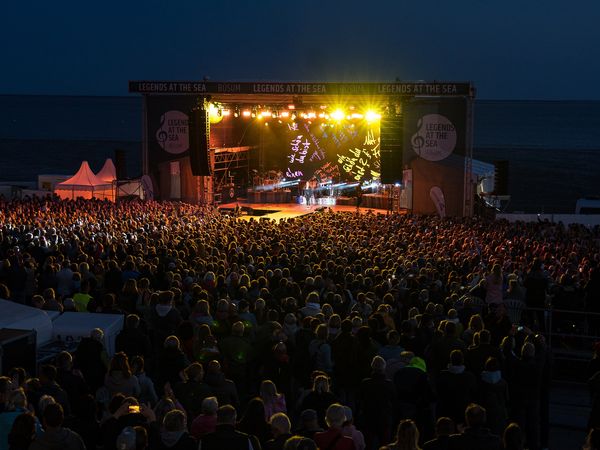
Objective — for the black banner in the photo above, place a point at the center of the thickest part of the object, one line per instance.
(434, 129)
(167, 127)
(439, 89)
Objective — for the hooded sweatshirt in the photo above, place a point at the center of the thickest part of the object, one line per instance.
(177, 440)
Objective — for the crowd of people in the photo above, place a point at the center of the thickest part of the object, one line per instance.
(329, 331)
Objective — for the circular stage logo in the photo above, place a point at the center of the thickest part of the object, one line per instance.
(435, 138)
(173, 133)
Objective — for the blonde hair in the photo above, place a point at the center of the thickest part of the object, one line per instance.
(268, 391)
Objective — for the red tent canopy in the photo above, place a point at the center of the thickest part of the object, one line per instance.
(108, 173)
(86, 185)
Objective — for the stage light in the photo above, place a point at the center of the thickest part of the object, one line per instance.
(246, 113)
(322, 115)
(312, 115)
(372, 116)
(357, 116)
(291, 106)
(214, 113)
(284, 114)
(226, 113)
(338, 115)
(236, 114)
(253, 114)
(266, 113)
(294, 116)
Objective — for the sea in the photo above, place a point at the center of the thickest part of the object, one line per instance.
(553, 147)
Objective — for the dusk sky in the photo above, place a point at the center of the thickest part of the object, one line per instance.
(509, 49)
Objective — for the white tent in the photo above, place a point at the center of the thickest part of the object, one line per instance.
(21, 317)
(86, 185)
(108, 173)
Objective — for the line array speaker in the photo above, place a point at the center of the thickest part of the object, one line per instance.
(391, 134)
(199, 126)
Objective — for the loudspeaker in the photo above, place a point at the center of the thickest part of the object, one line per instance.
(501, 177)
(199, 126)
(120, 164)
(391, 134)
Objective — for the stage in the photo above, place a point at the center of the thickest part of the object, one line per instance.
(278, 211)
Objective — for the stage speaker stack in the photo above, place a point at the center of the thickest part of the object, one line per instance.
(391, 145)
(501, 177)
(120, 164)
(199, 126)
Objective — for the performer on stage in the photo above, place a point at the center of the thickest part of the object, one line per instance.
(358, 194)
(307, 192)
(312, 187)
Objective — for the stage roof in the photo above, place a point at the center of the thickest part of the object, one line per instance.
(311, 93)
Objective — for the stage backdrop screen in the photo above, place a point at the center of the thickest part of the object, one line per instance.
(340, 152)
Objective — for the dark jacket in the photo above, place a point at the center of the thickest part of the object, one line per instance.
(171, 362)
(60, 439)
(177, 440)
(164, 322)
(226, 437)
(222, 388)
(413, 391)
(133, 342)
(59, 394)
(475, 439)
(319, 402)
(190, 394)
(454, 392)
(88, 358)
(493, 396)
(377, 401)
(278, 442)
(343, 353)
(439, 443)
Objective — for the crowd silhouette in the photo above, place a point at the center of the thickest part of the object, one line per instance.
(331, 330)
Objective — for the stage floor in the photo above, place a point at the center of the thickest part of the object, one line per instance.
(289, 210)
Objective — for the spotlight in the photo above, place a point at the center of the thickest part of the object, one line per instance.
(226, 112)
(266, 113)
(357, 116)
(246, 113)
(285, 114)
(372, 116)
(338, 115)
(291, 106)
